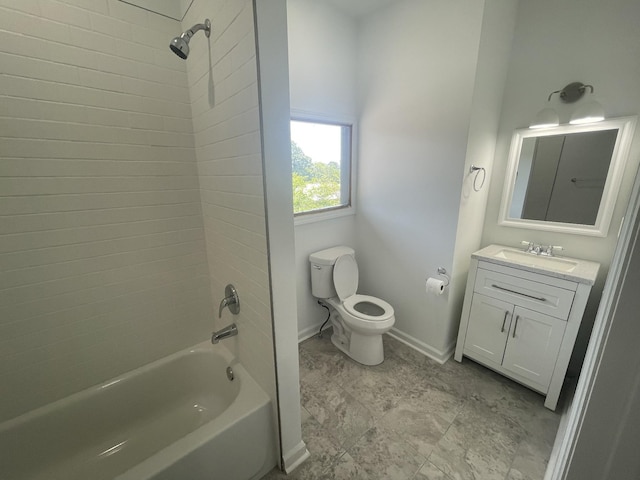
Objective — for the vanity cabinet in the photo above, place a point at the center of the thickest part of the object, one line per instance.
(523, 342)
(522, 324)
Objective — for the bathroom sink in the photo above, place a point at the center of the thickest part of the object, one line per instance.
(537, 261)
(567, 268)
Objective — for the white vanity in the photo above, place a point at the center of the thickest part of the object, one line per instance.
(522, 313)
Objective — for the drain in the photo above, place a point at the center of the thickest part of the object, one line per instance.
(230, 374)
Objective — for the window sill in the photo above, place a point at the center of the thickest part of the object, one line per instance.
(322, 216)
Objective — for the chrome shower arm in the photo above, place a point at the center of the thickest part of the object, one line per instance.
(206, 26)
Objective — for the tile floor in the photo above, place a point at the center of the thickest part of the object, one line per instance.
(411, 418)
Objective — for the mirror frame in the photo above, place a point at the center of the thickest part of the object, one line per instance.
(625, 126)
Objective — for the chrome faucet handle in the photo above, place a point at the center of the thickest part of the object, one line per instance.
(527, 244)
(552, 248)
(230, 300)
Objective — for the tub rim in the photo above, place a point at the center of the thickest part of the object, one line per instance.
(205, 347)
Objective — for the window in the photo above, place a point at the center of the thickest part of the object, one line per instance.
(321, 166)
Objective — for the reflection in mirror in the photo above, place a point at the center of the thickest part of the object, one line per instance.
(566, 179)
(561, 177)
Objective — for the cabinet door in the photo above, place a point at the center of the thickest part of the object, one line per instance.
(489, 321)
(533, 345)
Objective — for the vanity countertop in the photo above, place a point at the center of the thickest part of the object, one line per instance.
(567, 268)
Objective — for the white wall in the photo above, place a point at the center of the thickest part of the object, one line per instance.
(409, 125)
(498, 24)
(102, 254)
(322, 58)
(592, 43)
(417, 74)
(271, 31)
(322, 76)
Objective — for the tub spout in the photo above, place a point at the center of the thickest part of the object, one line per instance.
(226, 332)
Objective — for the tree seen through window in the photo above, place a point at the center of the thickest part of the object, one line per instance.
(316, 155)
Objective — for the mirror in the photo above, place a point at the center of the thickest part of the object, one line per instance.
(566, 179)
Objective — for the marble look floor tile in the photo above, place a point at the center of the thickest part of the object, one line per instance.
(306, 471)
(385, 455)
(497, 429)
(430, 472)
(306, 363)
(378, 387)
(305, 416)
(323, 447)
(345, 468)
(531, 459)
(422, 419)
(393, 346)
(479, 445)
(450, 377)
(337, 411)
(516, 402)
(323, 361)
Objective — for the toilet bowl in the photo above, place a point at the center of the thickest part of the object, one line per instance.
(358, 320)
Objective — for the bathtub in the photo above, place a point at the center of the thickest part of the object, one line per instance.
(177, 418)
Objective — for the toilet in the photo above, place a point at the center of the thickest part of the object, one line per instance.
(358, 320)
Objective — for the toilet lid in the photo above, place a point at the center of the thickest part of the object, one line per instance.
(345, 276)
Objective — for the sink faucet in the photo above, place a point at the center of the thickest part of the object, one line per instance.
(226, 332)
(535, 249)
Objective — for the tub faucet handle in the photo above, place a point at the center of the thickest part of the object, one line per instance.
(230, 300)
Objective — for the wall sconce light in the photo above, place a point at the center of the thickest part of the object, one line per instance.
(590, 112)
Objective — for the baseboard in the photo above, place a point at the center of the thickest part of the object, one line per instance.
(311, 331)
(294, 457)
(425, 349)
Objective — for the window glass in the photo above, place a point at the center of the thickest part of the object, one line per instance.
(321, 166)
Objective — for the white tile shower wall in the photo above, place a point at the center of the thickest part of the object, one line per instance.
(102, 252)
(224, 100)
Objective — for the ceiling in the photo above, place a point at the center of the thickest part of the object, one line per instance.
(360, 8)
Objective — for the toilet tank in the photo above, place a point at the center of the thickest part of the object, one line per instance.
(322, 263)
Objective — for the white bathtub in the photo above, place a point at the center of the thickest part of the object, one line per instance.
(177, 418)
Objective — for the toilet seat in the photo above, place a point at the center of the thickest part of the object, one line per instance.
(351, 305)
(345, 280)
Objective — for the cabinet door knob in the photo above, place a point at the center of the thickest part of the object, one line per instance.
(515, 326)
(504, 320)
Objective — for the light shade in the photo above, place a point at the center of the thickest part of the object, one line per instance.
(590, 112)
(546, 118)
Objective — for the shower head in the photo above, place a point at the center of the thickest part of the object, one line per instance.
(180, 45)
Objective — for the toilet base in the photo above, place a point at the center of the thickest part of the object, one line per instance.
(364, 349)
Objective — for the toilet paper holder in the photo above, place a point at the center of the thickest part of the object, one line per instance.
(443, 272)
